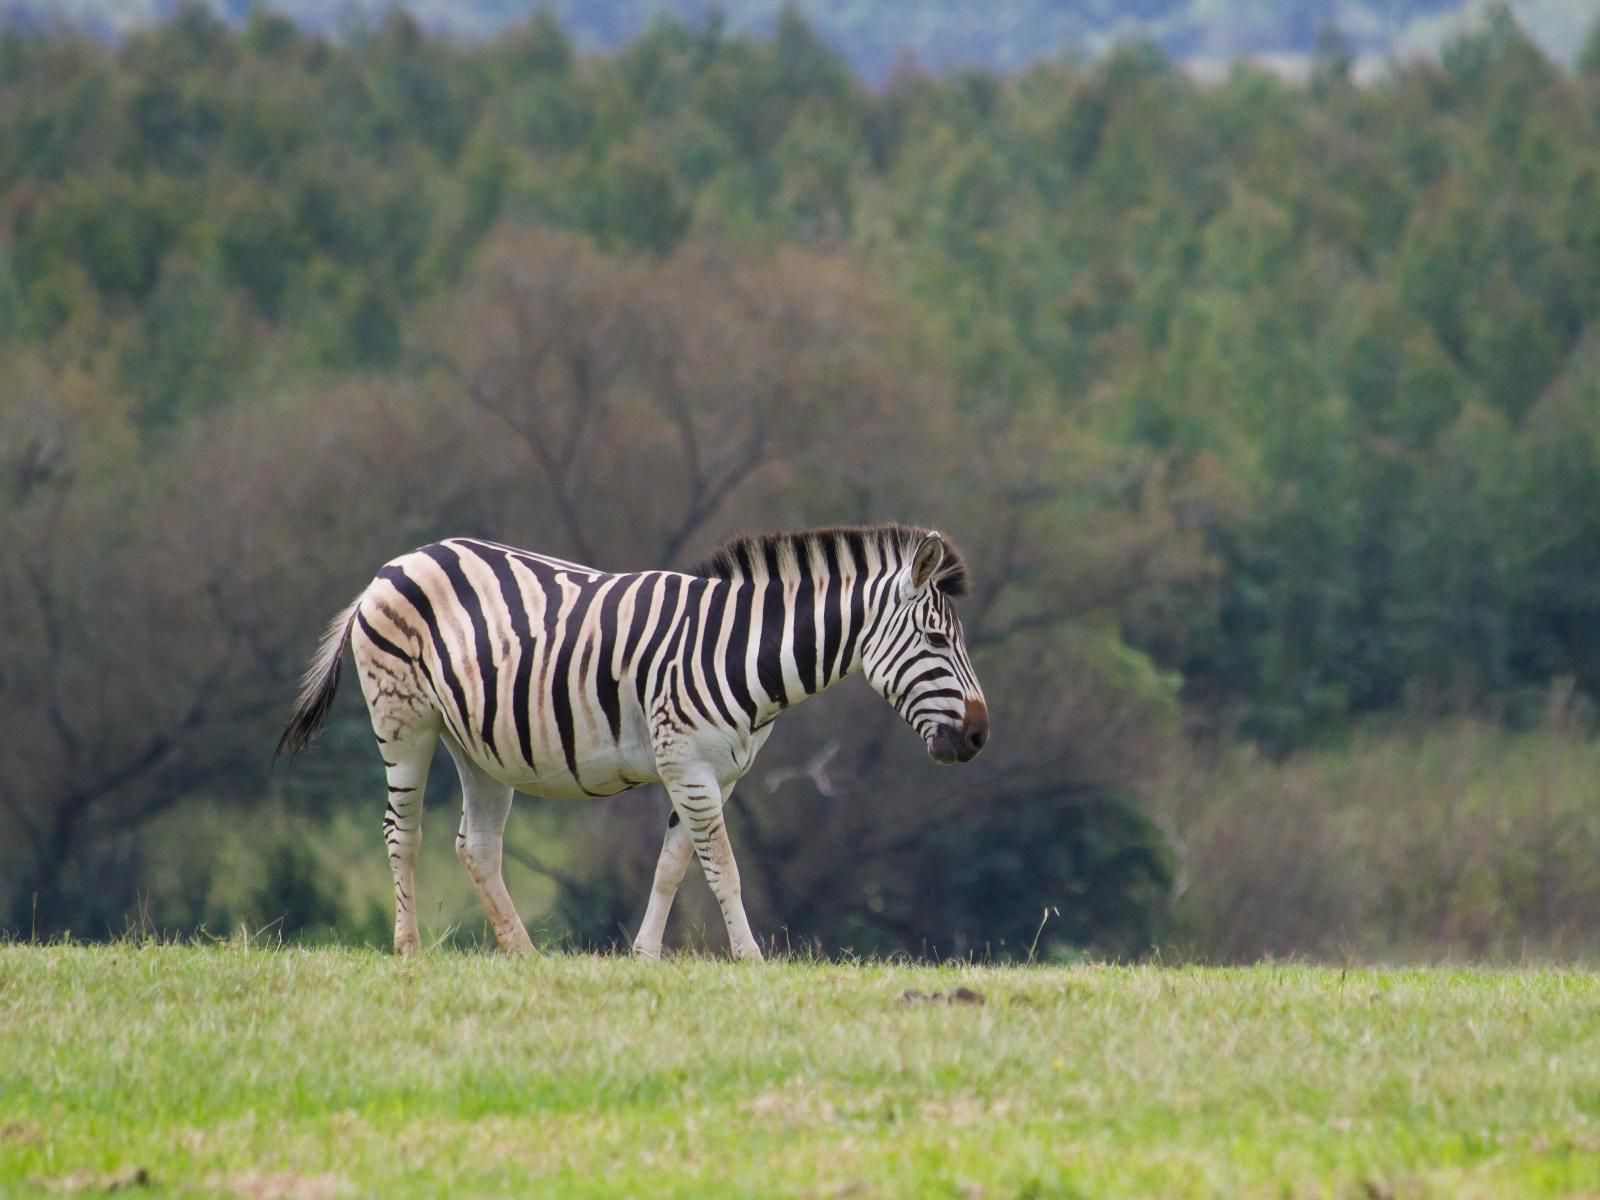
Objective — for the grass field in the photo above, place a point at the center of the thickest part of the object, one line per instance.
(319, 1073)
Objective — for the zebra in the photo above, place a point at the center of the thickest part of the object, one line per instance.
(560, 680)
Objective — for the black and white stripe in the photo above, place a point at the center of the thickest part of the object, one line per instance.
(556, 679)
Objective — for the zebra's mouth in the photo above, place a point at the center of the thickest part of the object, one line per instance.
(945, 746)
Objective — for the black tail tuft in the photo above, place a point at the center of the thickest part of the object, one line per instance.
(318, 687)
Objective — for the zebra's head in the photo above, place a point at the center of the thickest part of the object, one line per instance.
(916, 657)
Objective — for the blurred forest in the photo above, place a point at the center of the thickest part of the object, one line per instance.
(1267, 415)
(873, 38)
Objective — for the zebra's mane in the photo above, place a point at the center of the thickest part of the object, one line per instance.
(743, 556)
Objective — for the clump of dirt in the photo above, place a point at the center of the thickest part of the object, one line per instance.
(793, 1106)
(961, 995)
(283, 1185)
(95, 1181)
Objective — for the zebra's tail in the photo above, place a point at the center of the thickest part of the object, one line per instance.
(318, 686)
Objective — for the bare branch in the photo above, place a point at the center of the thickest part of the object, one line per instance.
(814, 769)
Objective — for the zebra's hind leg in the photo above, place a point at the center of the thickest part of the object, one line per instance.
(406, 764)
(485, 804)
(677, 849)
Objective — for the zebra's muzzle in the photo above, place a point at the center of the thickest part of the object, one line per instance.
(961, 743)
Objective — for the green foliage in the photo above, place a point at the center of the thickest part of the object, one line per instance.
(1045, 876)
(116, 229)
(1589, 56)
(1451, 838)
(1290, 391)
(636, 202)
(295, 896)
(194, 344)
(259, 249)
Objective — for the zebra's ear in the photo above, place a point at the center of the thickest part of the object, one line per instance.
(924, 563)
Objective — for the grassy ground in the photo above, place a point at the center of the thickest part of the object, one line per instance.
(308, 1074)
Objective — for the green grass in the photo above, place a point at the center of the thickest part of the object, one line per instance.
(315, 1073)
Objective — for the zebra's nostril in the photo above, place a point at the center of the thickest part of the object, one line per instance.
(977, 737)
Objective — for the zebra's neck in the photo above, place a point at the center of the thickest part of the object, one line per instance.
(805, 612)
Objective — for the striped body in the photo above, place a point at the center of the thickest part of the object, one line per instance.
(545, 672)
(560, 680)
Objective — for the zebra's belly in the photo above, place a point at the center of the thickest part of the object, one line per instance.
(598, 775)
(599, 766)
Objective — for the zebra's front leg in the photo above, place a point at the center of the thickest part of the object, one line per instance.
(699, 800)
(676, 850)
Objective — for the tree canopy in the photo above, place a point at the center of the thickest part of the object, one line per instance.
(1263, 408)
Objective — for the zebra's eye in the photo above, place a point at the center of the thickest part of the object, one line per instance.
(938, 641)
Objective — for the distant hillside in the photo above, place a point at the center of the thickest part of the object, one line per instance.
(936, 33)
